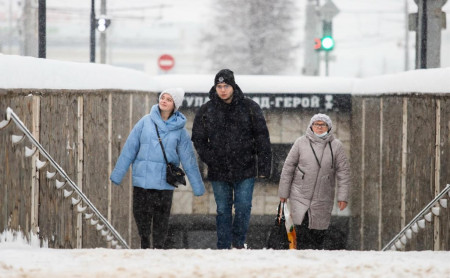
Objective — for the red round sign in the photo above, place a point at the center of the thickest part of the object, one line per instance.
(166, 62)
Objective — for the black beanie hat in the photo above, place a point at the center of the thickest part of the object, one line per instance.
(225, 76)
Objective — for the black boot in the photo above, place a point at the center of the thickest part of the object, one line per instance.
(145, 243)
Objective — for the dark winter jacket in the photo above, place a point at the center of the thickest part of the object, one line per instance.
(232, 138)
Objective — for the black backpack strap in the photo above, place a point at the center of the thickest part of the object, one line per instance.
(203, 110)
(162, 147)
(248, 102)
(315, 155)
(332, 156)
(252, 114)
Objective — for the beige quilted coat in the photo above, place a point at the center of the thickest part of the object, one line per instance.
(310, 187)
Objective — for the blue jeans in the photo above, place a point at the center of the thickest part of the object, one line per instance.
(240, 195)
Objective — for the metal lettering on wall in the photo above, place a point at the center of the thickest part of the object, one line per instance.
(322, 102)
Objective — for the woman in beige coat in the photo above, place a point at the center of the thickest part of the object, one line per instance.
(315, 162)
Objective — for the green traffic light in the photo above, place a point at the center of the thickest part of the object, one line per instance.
(327, 43)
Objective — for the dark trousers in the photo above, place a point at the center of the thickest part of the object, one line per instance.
(309, 238)
(152, 206)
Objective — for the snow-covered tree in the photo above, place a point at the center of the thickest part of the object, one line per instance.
(251, 36)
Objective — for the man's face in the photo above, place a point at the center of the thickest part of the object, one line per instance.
(225, 92)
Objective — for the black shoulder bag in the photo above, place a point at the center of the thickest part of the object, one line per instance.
(174, 174)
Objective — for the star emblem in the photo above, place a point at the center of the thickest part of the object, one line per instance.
(328, 102)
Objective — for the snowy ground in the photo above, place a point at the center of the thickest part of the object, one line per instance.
(21, 259)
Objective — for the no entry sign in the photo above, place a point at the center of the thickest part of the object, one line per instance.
(166, 62)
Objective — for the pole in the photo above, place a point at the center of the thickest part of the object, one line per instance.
(327, 59)
(103, 35)
(92, 41)
(430, 22)
(10, 39)
(423, 35)
(311, 64)
(29, 29)
(42, 25)
(406, 36)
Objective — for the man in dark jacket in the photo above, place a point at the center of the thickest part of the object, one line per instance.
(231, 137)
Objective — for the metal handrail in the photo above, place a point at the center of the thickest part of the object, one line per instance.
(11, 115)
(418, 216)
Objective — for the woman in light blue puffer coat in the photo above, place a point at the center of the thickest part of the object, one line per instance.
(152, 195)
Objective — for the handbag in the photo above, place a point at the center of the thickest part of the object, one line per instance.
(278, 237)
(289, 223)
(174, 174)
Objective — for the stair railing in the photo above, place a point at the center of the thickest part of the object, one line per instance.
(93, 216)
(425, 215)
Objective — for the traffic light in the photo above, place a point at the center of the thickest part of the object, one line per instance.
(327, 43)
(103, 23)
(317, 44)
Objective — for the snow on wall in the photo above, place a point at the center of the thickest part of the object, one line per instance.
(416, 81)
(33, 73)
(260, 83)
